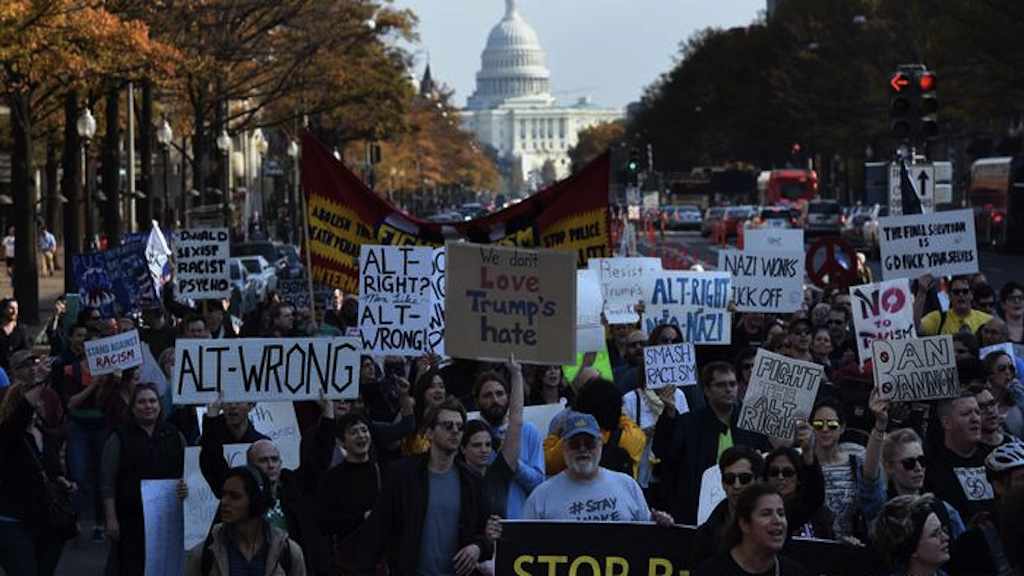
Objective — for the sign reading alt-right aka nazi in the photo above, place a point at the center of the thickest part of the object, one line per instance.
(916, 369)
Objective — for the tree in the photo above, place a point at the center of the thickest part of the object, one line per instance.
(594, 141)
(548, 173)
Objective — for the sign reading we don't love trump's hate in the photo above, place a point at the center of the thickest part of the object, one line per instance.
(265, 369)
(502, 301)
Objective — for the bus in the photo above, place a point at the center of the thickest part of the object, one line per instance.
(996, 193)
(791, 187)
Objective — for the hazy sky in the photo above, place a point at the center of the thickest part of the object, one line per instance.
(608, 49)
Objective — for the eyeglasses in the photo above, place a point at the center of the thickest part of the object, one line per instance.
(730, 478)
(451, 425)
(820, 425)
(781, 472)
(960, 291)
(1015, 298)
(911, 464)
(582, 442)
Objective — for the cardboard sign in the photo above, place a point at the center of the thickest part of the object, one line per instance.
(781, 390)
(201, 504)
(670, 365)
(918, 369)
(622, 285)
(201, 257)
(694, 302)
(589, 304)
(265, 369)
(882, 311)
(295, 291)
(164, 521)
(764, 281)
(275, 420)
(113, 353)
(775, 239)
(401, 299)
(940, 244)
(503, 300)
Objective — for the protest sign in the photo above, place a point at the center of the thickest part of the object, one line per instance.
(122, 279)
(781, 390)
(882, 311)
(503, 300)
(295, 291)
(694, 302)
(559, 548)
(940, 244)
(540, 416)
(276, 421)
(401, 299)
(1006, 347)
(201, 504)
(589, 304)
(265, 369)
(622, 285)
(765, 281)
(113, 353)
(774, 239)
(670, 365)
(711, 493)
(165, 528)
(201, 263)
(916, 369)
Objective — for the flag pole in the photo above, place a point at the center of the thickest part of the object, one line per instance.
(304, 208)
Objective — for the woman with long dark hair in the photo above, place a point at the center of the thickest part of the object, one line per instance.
(428, 392)
(910, 534)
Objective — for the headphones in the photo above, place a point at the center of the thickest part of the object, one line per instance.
(260, 498)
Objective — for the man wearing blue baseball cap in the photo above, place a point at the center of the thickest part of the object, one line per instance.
(585, 491)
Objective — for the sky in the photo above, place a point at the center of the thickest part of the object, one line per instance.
(606, 49)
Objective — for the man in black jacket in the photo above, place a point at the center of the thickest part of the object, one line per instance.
(690, 443)
(430, 518)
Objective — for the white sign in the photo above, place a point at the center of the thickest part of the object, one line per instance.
(165, 528)
(764, 281)
(275, 420)
(540, 416)
(940, 244)
(201, 504)
(201, 258)
(774, 239)
(114, 353)
(589, 304)
(882, 311)
(265, 369)
(781, 390)
(711, 493)
(918, 369)
(622, 285)
(670, 365)
(694, 302)
(401, 299)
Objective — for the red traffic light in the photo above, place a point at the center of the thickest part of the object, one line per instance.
(899, 81)
(926, 81)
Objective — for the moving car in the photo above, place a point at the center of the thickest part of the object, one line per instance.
(264, 248)
(853, 229)
(777, 217)
(824, 218)
(683, 217)
(261, 272)
(870, 229)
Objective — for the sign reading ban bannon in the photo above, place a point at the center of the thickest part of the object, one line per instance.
(941, 244)
(265, 369)
(202, 263)
(509, 300)
(917, 369)
(781, 390)
(401, 299)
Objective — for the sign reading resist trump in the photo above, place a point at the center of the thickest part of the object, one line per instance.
(503, 300)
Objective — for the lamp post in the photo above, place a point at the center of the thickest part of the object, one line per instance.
(260, 146)
(164, 135)
(86, 127)
(293, 192)
(224, 145)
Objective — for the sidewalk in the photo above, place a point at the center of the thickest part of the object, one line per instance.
(50, 287)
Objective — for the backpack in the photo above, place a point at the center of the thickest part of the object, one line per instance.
(615, 457)
(284, 560)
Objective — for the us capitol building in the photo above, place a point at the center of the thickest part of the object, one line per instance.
(513, 110)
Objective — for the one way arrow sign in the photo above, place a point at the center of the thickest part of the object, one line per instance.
(923, 177)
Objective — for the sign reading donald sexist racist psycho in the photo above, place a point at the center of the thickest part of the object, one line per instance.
(670, 365)
(113, 353)
(765, 281)
(694, 302)
(781, 390)
(401, 299)
(940, 244)
(503, 300)
(201, 263)
(265, 369)
(882, 311)
(917, 369)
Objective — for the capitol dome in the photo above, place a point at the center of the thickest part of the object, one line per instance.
(512, 64)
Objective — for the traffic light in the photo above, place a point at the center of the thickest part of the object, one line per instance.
(633, 167)
(913, 103)
(901, 105)
(929, 105)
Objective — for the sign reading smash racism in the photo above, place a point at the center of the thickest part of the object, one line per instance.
(670, 365)
(940, 244)
(622, 285)
(882, 311)
(201, 257)
(509, 300)
(765, 281)
(401, 299)
(114, 353)
(917, 369)
(265, 369)
(694, 302)
(781, 390)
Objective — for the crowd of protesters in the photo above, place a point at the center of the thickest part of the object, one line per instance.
(398, 481)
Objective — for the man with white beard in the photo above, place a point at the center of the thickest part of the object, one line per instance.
(585, 491)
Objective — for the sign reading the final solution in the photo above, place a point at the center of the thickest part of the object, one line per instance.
(940, 244)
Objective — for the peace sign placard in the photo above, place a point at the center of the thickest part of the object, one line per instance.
(832, 262)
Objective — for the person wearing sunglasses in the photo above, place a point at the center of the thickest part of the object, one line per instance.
(841, 465)
(1011, 300)
(1001, 372)
(960, 316)
(740, 467)
(800, 339)
(798, 478)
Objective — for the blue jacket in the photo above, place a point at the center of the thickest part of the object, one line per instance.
(529, 472)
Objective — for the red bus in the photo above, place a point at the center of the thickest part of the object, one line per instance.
(789, 187)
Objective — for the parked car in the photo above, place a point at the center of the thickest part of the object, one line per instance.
(267, 249)
(471, 210)
(735, 217)
(289, 263)
(777, 217)
(683, 217)
(713, 215)
(824, 217)
(446, 217)
(853, 229)
(870, 230)
(262, 272)
(244, 292)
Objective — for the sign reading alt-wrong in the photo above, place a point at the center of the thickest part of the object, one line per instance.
(503, 301)
(265, 369)
(917, 369)
(781, 390)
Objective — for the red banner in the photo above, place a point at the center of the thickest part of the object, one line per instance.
(344, 214)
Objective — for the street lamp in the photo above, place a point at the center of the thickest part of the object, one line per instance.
(86, 127)
(164, 135)
(224, 145)
(260, 146)
(293, 153)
